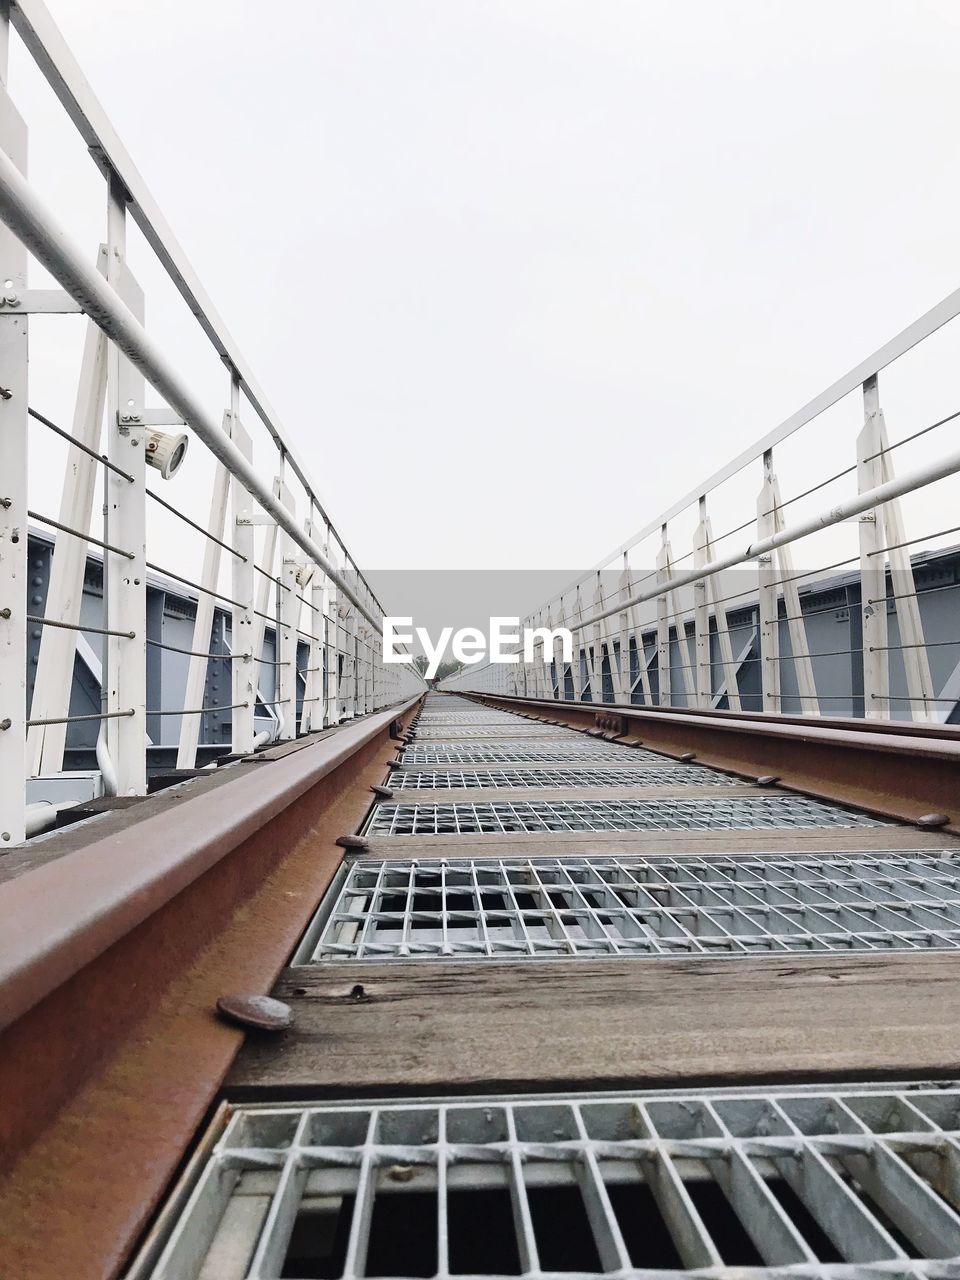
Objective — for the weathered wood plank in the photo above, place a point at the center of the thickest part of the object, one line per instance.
(460, 1027)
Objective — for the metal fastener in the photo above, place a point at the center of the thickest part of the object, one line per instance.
(933, 820)
(257, 1013)
(352, 842)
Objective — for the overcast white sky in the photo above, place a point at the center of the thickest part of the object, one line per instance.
(516, 273)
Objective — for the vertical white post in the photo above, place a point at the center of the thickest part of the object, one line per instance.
(714, 593)
(13, 491)
(668, 604)
(634, 625)
(701, 613)
(332, 633)
(883, 528)
(873, 565)
(663, 623)
(313, 704)
(767, 594)
(243, 664)
(579, 639)
(51, 694)
(203, 623)
(796, 627)
(125, 580)
(287, 645)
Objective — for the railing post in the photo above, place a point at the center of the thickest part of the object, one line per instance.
(243, 664)
(287, 645)
(331, 649)
(125, 580)
(313, 702)
(701, 613)
(190, 725)
(873, 565)
(668, 604)
(769, 623)
(13, 492)
(58, 645)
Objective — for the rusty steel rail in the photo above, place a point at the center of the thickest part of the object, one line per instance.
(900, 770)
(118, 941)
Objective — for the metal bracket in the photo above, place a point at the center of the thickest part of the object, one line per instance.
(40, 302)
(257, 518)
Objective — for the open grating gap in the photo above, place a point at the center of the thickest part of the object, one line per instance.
(522, 816)
(634, 906)
(775, 1182)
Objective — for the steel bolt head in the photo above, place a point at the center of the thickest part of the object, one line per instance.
(689, 755)
(383, 792)
(256, 1013)
(933, 820)
(767, 780)
(352, 842)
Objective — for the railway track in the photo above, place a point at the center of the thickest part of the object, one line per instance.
(611, 981)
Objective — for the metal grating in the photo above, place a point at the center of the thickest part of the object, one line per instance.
(530, 816)
(505, 779)
(520, 729)
(522, 908)
(527, 753)
(856, 1183)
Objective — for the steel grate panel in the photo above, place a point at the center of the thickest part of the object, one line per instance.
(855, 1183)
(530, 816)
(522, 908)
(522, 730)
(529, 753)
(506, 779)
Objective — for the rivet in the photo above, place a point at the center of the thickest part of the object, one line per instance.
(689, 755)
(352, 842)
(400, 1172)
(933, 820)
(767, 780)
(258, 1013)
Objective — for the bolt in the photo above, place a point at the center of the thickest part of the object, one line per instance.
(5, 393)
(4, 613)
(933, 820)
(6, 723)
(257, 1013)
(6, 502)
(353, 842)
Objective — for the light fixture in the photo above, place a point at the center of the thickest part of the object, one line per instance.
(166, 452)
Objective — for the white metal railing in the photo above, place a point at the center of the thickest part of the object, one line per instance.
(269, 554)
(653, 628)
